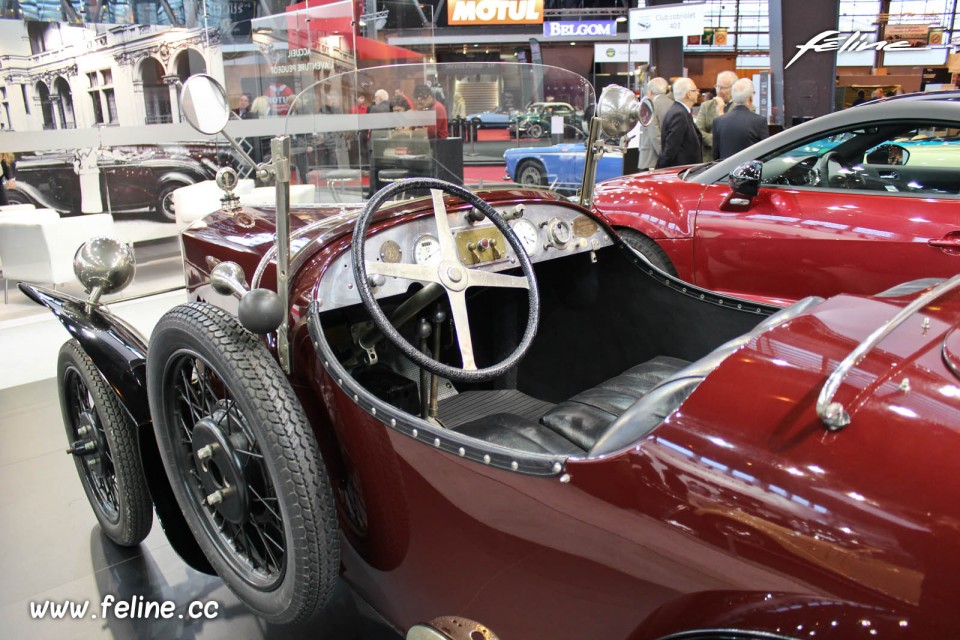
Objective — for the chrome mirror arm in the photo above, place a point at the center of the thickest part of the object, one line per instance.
(594, 151)
(833, 414)
(280, 168)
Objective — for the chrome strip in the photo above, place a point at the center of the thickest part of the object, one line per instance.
(831, 413)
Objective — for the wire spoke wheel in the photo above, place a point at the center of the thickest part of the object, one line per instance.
(243, 463)
(227, 480)
(103, 442)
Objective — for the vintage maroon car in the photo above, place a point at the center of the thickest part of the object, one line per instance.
(490, 415)
(131, 179)
(854, 201)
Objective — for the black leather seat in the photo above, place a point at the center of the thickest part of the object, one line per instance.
(618, 412)
(586, 416)
(656, 405)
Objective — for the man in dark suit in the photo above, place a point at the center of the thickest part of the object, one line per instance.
(740, 127)
(243, 108)
(658, 91)
(681, 142)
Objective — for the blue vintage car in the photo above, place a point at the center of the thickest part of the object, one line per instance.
(559, 166)
(490, 119)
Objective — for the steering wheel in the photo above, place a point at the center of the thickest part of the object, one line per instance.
(821, 173)
(450, 273)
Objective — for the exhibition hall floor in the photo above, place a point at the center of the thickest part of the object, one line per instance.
(54, 550)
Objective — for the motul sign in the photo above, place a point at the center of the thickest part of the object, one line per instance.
(494, 12)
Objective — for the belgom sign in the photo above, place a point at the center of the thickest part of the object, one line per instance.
(583, 28)
(464, 12)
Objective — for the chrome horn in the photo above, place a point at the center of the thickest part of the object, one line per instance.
(104, 265)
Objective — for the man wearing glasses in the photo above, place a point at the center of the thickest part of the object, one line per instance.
(712, 109)
(426, 102)
(680, 142)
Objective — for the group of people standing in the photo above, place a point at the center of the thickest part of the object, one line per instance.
(723, 125)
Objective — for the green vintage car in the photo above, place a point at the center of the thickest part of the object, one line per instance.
(535, 122)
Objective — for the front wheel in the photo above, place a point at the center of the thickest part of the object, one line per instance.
(243, 463)
(535, 130)
(103, 441)
(649, 249)
(532, 173)
(18, 197)
(165, 211)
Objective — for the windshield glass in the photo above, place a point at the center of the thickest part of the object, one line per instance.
(354, 133)
(362, 112)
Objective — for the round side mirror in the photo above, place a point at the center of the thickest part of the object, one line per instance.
(618, 110)
(203, 102)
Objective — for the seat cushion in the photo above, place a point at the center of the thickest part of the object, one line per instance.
(514, 432)
(586, 416)
(646, 414)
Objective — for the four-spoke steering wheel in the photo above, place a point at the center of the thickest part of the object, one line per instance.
(450, 273)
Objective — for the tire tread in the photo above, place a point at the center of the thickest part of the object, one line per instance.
(288, 434)
(135, 504)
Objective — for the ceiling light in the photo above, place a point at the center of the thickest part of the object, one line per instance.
(622, 19)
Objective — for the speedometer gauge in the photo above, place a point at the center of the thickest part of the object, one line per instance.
(527, 232)
(427, 250)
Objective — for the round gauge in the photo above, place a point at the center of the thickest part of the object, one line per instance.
(527, 233)
(559, 232)
(390, 251)
(427, 250)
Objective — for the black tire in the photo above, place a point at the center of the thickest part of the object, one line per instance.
(164, 208)
(535, 130)
(18, 197)
(531, 172)
(650, 250)
(478, 123)
(111, 473)
(273, 537)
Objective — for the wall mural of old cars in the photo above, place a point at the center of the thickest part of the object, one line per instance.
(136, 180)
(491, 415)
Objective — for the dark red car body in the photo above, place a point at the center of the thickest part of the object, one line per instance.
(622, 455)
(799, 237)
(740, 512)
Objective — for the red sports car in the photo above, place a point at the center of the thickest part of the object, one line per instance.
(491, 417)
(855, 201)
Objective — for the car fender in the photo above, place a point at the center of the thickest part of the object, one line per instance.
(32, 195)
(120, 355)
(644, 202)
(176, 176)
(781, 615)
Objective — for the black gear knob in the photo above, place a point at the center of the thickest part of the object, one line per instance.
(261, 311)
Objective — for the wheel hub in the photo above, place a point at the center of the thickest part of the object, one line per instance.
(219, 467)
(92, 444)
